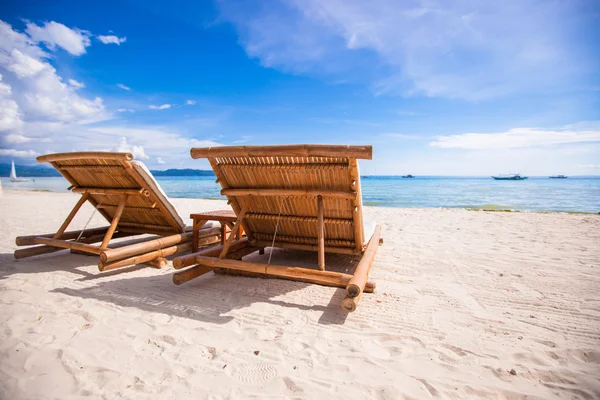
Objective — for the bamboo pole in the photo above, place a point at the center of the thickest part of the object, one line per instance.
(82, 155)
(236, 227)
(109, 255)
(321, 233)
(349, 304)
(326, 278)
(144, 258)
(194, 272)
(182, 277)
(297, 218)
(369, 287)
(357, 203)
(292, 150)
(301, 246)
(114, 222)
(37, 250)
(28, 240)
(160, 262)
(71, 215)
(113, 192)
(361, 274)
(289, 193)
(214, 251)
(86, 248)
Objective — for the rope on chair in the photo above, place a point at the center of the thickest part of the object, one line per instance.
(275, 233)
(88, 222)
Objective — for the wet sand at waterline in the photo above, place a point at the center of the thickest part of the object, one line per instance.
(469, 304)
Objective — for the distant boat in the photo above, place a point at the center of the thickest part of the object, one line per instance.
(407, 176)
(558, 177)
(511, 177)
(13, 174)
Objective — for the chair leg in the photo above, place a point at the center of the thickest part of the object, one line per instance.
(114, 222)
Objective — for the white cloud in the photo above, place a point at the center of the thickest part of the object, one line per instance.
(190, 102)
(457, 48)
(161, 107)
(124, 147)
(125, 110)
(54, 34)
(37, 91)
(10, 116)
(18, 153)
(111, 39)
(76, 84)
(518, 138)
(121, 86)
(16, 138)
(160, 161)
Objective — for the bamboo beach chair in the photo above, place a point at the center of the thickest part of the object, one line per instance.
(304, 197)
(125, 193)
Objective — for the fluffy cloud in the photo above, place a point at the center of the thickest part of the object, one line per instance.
(36, 90)
(75, 84)
(53, 34)
(15, 138)
(121, 86)
(520, 137)
(18, 153)
(190, 102)
(41, 112)
(161, 107)
(111, 39)
(124, 147)
(457, 48)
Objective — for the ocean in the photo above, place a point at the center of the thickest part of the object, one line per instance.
(575, 194)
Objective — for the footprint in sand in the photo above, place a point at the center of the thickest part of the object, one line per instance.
(254, 374)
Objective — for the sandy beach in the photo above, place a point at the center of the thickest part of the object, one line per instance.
(469, 304)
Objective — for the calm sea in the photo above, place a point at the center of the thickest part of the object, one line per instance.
(535, 194)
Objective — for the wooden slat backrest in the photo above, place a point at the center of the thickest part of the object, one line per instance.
(115, 171)
(308, 167)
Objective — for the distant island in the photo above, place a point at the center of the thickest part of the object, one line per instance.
(183, 172)
(41, 171)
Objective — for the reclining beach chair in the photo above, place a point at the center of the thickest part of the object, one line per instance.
(304, 197)
(125, 193)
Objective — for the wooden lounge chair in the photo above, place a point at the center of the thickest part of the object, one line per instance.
(303, 197)
(125, 193)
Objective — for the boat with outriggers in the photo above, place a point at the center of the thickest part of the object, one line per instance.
(510, 177)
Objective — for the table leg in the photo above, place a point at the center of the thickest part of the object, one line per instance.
(196, 225)
(223, 232)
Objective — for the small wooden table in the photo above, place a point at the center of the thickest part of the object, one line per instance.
(225, 217)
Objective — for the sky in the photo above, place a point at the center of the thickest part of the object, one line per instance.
(448, 87)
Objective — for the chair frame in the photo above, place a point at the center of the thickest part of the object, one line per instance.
(172, 239)
(228, 256)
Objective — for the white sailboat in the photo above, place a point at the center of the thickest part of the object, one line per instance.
(13, 175)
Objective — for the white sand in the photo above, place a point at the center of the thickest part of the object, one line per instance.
(462, 298)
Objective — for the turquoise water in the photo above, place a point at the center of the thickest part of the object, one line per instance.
(535, 194)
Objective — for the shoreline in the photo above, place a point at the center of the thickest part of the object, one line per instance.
(499, 209)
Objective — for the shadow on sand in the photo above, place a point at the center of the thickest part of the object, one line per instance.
(208, 298)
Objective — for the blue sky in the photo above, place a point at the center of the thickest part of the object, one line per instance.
(437, 87)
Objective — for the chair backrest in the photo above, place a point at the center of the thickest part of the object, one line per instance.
(279, 187)
(147, 209)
